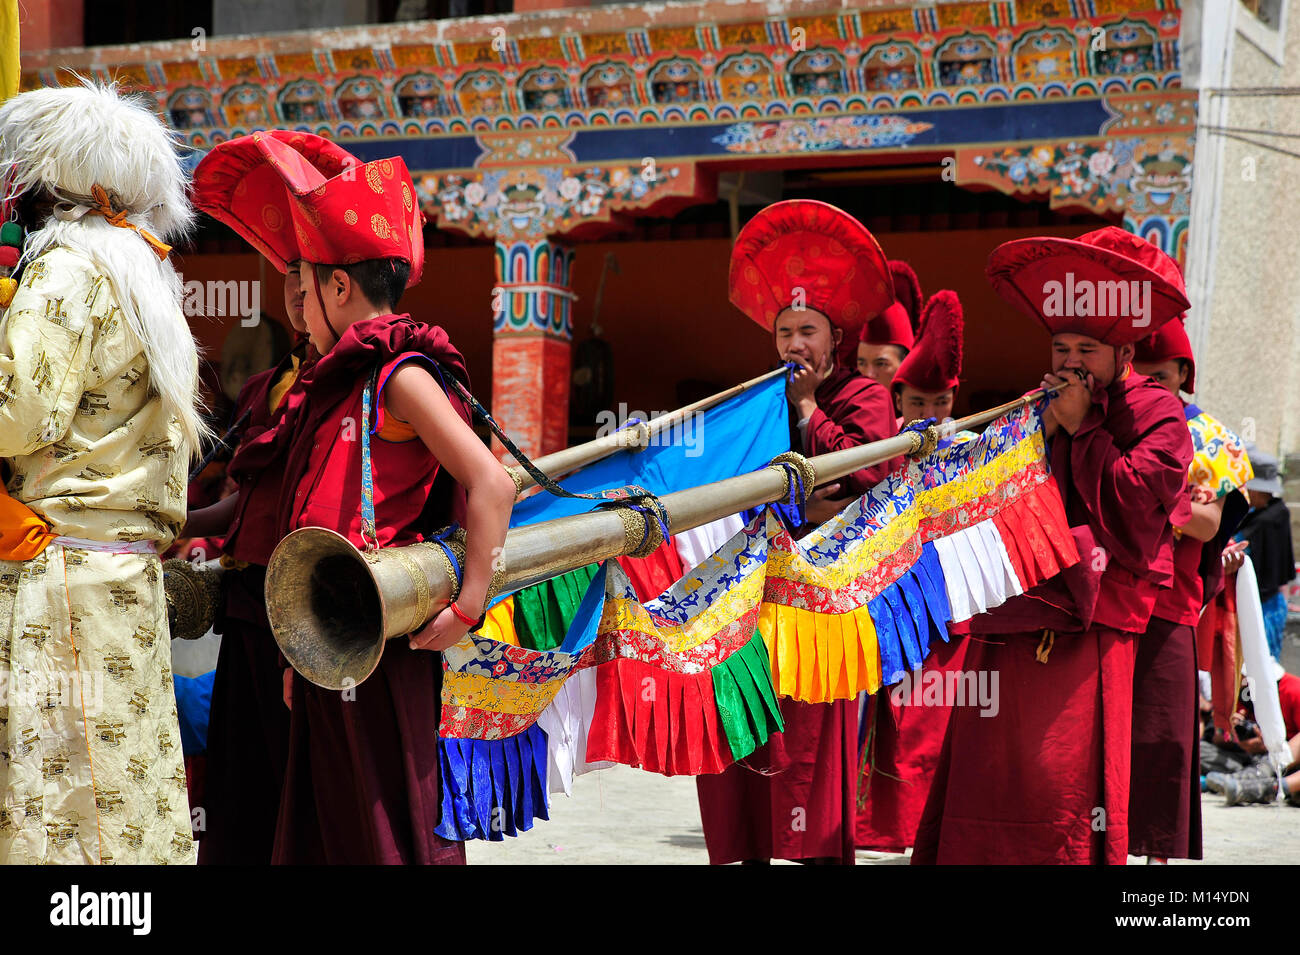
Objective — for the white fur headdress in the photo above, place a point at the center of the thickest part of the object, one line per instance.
(67, 141)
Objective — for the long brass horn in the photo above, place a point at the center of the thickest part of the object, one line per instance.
(332, 607)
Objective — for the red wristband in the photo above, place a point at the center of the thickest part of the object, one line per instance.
(462, 616)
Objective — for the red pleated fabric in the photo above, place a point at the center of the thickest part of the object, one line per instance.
(652, 575)
(658, 720)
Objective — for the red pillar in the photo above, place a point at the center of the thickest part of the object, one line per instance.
(50, 25)
(532, 346)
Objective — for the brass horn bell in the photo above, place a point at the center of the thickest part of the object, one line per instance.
(332, 607)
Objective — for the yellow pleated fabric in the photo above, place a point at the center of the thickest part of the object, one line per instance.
(500, 623)
(820, 658)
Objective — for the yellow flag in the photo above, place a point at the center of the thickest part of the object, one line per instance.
(8, 48)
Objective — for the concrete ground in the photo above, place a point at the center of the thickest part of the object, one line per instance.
(624, 816)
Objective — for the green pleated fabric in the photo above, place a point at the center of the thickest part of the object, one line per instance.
(544, 611)
(747, 707)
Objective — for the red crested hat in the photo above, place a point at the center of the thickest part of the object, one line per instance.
(236, 185)
(1085, 285)
(809, 251)
(935, 363)
(365, 211)
(1168, 344)
(897, 324)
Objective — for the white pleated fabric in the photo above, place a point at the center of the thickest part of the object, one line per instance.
(566, 722)
(977, 570)
(695, 545)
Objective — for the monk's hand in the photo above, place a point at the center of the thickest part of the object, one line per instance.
(1071, 404)
(801, 386)
(1234, 555)
(288, 687)
(442, 632)
(823, 504)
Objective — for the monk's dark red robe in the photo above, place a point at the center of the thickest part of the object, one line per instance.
(803, 810)
(900, 755)
(1046, 780)
(1165, 782)
(248, 725)
(361, 785)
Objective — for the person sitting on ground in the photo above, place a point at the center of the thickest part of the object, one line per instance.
(1244, 773)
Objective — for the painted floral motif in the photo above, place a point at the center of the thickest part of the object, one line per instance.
(1139, 175)
(536, 202)
(821, 134)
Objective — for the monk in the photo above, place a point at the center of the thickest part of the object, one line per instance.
(886, 339)
(248, 728)
(1045, 780)
(903, 736)
(1165, 787)
(794, 798)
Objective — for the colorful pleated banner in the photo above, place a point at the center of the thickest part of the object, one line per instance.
(688, 683)
(854, 605)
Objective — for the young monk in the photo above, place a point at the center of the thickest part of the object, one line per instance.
(248, 727)
(794, 798)
(1045, 779)
(1165, 785)
(904, 734)
(886, 339)
(361, 785)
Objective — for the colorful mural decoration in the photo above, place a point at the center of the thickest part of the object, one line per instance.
(871, 131)
(536, 132)
(840, 61)
(1147, 178)
(531, 202)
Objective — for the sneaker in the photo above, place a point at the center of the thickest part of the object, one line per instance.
(1214, 781)
(1261, 768)
(1240, 789)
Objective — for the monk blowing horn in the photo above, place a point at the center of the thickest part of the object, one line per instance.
(333, 607)
(194, 592)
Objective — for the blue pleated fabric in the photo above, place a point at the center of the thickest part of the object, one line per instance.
(493, 788)
(908, 614)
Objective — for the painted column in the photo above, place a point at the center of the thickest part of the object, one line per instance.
(532, 344)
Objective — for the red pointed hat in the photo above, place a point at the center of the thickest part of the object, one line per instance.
(1072, 285)
(802, 244)
(364, 211)
(935, 363)
(1168, 344)
(236, 185)
(897, 324)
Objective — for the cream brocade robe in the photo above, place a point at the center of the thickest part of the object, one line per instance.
(90, 751)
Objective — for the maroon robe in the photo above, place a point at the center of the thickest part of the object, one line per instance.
(362, 783)
(1165, 786)
(1165, 783)
(902, 752)
(248, 725)
(795, 797)
(1046, 780)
